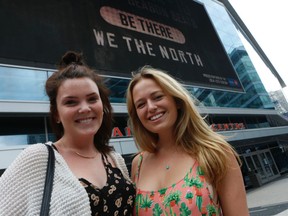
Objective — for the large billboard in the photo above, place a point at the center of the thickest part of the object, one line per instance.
(119, 36)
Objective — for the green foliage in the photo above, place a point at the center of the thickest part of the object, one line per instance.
(185, 211)
(192, 182)
(162, 191)
(157, 211)
(200, 171)
(199, 202)
(189, 195)
(211, 210)
(175, 196)
(146, 202)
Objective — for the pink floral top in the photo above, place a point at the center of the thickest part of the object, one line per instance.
(189, 196)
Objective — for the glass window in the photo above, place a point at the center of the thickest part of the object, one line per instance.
(22, 84)
(251, 122)
(118, 88)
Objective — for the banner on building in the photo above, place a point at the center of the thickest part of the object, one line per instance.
(119, 36)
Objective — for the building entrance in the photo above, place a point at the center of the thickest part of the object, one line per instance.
(260, 167)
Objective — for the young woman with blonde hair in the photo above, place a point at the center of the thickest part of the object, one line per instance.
(183, 167)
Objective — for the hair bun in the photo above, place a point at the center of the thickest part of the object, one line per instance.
(71, 57)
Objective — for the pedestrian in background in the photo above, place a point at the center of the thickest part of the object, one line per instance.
(90, 178)
(184, 167)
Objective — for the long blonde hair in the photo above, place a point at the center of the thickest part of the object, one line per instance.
(192, 133)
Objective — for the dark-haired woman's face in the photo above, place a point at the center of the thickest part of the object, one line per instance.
(80, 108)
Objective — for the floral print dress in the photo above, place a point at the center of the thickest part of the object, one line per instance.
(189, 196)
(115, 198)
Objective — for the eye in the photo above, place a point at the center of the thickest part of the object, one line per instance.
(140, 105)
(93, 99)
(158, 97)
(70, 102)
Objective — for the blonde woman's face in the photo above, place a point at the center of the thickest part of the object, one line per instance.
(156, 109)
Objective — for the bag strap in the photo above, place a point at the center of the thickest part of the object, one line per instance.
(48, 182)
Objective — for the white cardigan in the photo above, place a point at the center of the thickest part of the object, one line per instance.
(22, 185)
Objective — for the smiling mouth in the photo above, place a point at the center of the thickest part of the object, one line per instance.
(155, 117)
(85, 121)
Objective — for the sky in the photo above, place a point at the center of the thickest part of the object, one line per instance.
(266, 21)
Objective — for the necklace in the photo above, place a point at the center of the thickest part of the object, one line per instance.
(79, 154)
(168, 166)
(84, 156)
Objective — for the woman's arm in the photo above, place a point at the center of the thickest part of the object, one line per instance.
(20, 183)
(232, 192)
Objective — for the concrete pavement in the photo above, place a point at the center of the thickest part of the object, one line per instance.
(272, 193)
(284, 213)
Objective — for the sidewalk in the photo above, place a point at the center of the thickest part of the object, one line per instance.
(275, 192)
(284, 213)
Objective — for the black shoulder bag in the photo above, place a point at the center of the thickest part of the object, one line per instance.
(48, 182)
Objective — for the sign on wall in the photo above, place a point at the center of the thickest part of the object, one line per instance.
(119, 36)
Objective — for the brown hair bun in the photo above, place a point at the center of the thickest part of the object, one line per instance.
(71, 57)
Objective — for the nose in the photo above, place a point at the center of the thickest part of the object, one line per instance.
(151, 106)
(84, 107)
